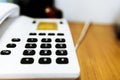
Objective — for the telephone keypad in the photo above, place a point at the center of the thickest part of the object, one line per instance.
(45, 45)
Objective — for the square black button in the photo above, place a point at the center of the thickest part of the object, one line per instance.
(32, 34)
(51, 34)
(15, 40)
(46, 40)
(62, 60)
(60, 40)
(61, 52)
(60, 34)
(27, 60)
(60, 45)
(45, 52)
(42, 34)
(30, 45)
(5, 52)
(45, 60)
(29, 52)
(46, 46)
(11, 45)
(32, 40)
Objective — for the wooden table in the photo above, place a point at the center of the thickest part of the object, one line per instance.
(99, 53)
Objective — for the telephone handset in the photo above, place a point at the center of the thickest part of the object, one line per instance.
(35, 48)
(8, 10)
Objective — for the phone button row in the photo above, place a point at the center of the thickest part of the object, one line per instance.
(49, 34)
(44, 60)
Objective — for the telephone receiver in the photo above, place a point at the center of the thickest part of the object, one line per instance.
(7, 10)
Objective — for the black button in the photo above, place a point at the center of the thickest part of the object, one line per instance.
(60, 46)
(29, 52)
(45, 52)
(42, 34)
(11, 45)
(5, 52)
(34, 22)
(30, 46)
(27, 60)
(16, 39)
(45, 46)
(32, 40)
(51, 34)
(33, 34)
(62, 60)
(60, 40)
(61, 52)
(61, 22)
(45, 60)
(60, 34)
(46, 40)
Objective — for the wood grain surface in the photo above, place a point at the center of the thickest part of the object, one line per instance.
(99, 52)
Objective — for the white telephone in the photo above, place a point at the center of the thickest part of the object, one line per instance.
(35, 48)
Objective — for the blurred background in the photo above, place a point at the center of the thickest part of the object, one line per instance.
(99, 11)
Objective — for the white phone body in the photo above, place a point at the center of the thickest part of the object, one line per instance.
(20, 27)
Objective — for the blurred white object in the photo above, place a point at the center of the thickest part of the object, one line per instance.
(100, 11)
(3, 0)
